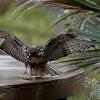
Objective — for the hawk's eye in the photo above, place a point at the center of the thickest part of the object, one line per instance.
(29, 54)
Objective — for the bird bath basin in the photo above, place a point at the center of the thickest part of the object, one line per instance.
(13, 87)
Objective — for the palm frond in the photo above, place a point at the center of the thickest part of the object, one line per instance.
(93, 5)
(87, 32)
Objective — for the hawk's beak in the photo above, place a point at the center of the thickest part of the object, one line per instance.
(40, 53)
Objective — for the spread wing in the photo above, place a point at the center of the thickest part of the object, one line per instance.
(61, 46)
(11, 45)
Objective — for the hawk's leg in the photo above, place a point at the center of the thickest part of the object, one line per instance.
(37, 70)
(41, 71)
(27, 75)
(26, 72)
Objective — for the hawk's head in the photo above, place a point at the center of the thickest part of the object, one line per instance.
(36, 51)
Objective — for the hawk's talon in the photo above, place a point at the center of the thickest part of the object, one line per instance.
(46, 76)
(28, 77)
(25, 73)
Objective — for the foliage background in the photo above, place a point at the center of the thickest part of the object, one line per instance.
(31, 27)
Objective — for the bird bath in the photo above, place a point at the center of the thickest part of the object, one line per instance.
(13, 87)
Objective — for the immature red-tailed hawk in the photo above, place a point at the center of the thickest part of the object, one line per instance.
(37, 57)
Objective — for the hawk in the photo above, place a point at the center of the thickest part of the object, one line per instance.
(36, 58)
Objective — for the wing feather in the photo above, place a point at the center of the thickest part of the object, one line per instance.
(61, 46)
(11, 45)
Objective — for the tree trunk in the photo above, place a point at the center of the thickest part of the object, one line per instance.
(4, 4)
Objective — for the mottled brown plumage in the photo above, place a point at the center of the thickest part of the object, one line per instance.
(37, 57)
